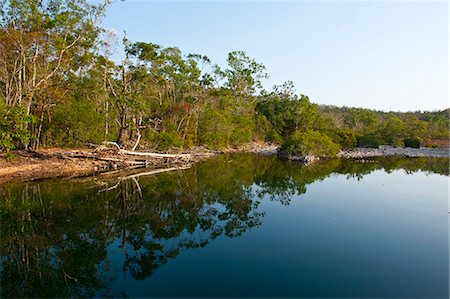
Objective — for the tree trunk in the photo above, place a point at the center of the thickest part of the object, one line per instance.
(38, 137)
(122, 130)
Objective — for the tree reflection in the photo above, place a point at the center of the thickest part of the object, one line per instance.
(62, 238)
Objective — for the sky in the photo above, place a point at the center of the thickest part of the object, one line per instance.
(384, 55)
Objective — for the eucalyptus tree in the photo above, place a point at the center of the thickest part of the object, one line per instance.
(243, 74)
(175, 88)
(125, 84)
(41, 42)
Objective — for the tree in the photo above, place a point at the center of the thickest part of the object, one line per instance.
(40, 43)
(309, 143)
(286, 111)
(393, 130)
(243, 74)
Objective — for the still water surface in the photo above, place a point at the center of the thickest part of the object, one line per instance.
(237, 225)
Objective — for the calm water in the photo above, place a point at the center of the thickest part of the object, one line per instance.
(233, 226)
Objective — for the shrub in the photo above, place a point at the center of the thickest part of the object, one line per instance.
(76, 122)
(263, 127)
(242, 129)
(14, 127)
(398, 143)
(414, 142)
(274, 137)
(265, 131)
(368, 141)
(310, 143)
(214, 129)
(169, 139)
(346, 138)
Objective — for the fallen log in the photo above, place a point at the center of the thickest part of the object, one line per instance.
(142, 157)
(155, 155)
(134, 153)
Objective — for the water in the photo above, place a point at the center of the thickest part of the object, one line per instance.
(233, 226)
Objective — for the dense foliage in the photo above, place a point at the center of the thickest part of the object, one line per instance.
(59, 87)
(310, 142)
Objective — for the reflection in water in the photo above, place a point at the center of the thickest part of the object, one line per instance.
(62, 238)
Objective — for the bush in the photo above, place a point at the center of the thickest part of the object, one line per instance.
(398, 143)
(75, 123)
(412, 142)
(263, 128)
(346, 138)
(243, 127)
(222, 123)
(310, 143)
(169, 139)
(274, 137)
(214, 129)
(368, 141)
(14, 127)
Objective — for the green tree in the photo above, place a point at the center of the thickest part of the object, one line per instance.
(393, 131)
(309, 143)
(40, 43)
(243, 74)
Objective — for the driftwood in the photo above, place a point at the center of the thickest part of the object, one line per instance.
(134, 153)
(130, 156)
(112, 143)
(109, 158)
(137, 142)
(154, 155)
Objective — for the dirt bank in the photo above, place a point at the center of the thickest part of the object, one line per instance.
(57, 162)
(52, 163)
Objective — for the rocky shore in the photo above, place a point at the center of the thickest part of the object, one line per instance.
(384, 151)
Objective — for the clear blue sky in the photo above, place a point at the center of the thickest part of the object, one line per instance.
(384, 55)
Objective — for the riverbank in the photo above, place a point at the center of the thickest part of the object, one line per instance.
(53, 163)
(384, 151)
(57, 162)
(78, 162)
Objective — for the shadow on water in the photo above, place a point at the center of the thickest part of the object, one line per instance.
(58, 236)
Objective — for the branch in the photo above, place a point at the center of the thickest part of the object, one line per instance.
(59, 62)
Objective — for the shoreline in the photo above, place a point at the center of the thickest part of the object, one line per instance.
(382, 151)
(71, 163)
(386, 151)
(50, 163)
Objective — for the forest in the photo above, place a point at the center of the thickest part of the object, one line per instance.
(60, 87)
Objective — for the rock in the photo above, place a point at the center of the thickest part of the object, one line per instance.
(385, 150)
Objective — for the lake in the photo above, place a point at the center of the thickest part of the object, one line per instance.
(237, 225)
